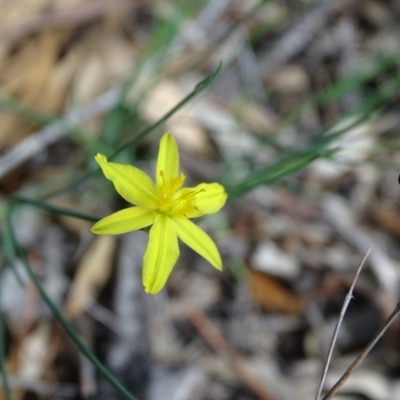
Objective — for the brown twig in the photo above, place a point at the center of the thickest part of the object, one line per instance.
(210, 333)
(363, 354)
(54, 131)
(338, 324)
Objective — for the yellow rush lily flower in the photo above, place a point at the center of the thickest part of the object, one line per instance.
(167, 207)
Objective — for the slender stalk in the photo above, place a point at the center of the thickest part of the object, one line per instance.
(74, 336)
(338, 324)
(55, 209)
(61, 319)
(198, 89)
(132, 143)
(363, 354)
(292, 163)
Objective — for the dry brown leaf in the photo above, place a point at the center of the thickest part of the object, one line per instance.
(12, 368)
(34, 352)
(54, 15)
(259, 120)
(28, 77)
(106, 59)
(182, 124)
(388, 218)
(289, 79)
(92, 274)
(268, 293)
(75, 225)
(13, 11)
(29, 358)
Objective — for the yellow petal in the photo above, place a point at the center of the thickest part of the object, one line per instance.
(161, 254)
(198, 240)
(127, 220)
(168, 160)
(134, 185)
(210, 198)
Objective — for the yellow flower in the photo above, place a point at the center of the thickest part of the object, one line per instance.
(165, 205)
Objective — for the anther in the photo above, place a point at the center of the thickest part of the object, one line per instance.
(162, 176)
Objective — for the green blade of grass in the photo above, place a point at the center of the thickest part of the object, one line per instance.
(14, 105)
(198, 89)
(345, 85)
(58, 315)
(55, 209)
(298, 160)
(202, 85)
(291, 164)
(10, 256)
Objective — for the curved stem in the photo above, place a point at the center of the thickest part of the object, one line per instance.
(363, 354)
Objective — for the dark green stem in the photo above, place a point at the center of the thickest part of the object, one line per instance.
(60, 318)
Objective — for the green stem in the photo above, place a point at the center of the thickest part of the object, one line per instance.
(60, 318)
(54, 209)
(295, 162)
(198, 89)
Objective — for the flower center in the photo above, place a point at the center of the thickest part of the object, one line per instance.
(174, 200)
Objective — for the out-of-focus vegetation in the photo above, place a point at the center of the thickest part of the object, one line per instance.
(292, 105)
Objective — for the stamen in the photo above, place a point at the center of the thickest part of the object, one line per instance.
(199, 191)
(162, 175)
(182, 205)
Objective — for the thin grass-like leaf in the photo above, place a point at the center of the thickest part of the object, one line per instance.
(58, 314)
(202, 85)
(291, 164)
(17, 107)
(55, 209)
(198, 89)
(345, 85)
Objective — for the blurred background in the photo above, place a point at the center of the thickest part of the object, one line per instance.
(297, 114)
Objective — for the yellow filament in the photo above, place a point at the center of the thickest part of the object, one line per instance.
(179, 206)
